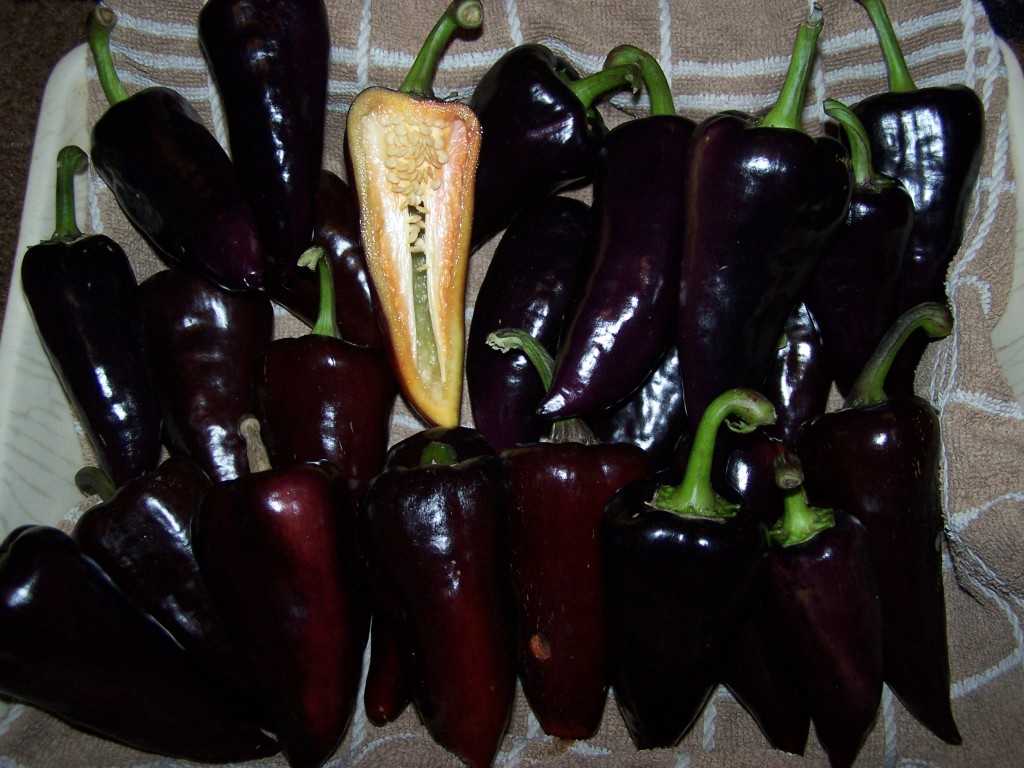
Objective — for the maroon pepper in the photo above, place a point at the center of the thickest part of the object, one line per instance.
(72, 644)
(534, 277)
(277, 550)
(762, 199)
(434, 546)
(878, 458)
(627, 314)
(679, 564)
(321, 398)
(85, 303)
(336, 231)
(171, 177)
(557, 492)
(271, 61)
(204, 343)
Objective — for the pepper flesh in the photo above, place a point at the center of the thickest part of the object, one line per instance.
(414, 161)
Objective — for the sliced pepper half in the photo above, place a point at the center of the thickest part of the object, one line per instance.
(414, 160)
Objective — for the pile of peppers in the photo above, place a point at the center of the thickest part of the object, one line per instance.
(653, 499)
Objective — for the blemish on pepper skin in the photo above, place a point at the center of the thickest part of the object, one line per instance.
(540, 647)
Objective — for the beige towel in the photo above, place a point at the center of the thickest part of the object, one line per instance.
(719, 54)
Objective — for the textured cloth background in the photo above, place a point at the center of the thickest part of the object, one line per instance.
(719, 54)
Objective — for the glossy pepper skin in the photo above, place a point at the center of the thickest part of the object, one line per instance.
(336, 230)
(85, 302)
(277, 549)
(205, 343)
(879, 458)
(931, 140)
(171, 177)
(387, 693)
(434, 546)
(535, 275)
(140, 535)
(762, 200)
(852, 295)
(627, 314)
(541, 138)
(413, 160)
(75, 646)
(321, 398)
(823, 599)
(679, 565)
(271, 61)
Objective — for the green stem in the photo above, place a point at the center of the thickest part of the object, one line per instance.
(436, 452)
(460, 14)
(592, 88)
(71, 161)
(658, 89)
(741, 410)
(933, 318)
(800, 522)
(860, 148)
(900, 79)
(569, 430)
(789, 472)
(788, 109)
(93, 481)
(327, 317)
(101, 23)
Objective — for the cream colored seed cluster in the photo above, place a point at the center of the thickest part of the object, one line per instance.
(414, 153)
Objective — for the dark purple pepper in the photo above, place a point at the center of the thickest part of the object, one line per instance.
(171, 177)
(763, 197)
(852, 294)
(878, 458)
(931, 140)
(679, 565)
(270, 61)
(336, 230)
(85, 302)
(277, 548)
(72, 644)
(535, 275)
(205, 343)
(627, 314)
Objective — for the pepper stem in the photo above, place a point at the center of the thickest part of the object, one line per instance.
(568, 430)
(741, 410)
(460, 14)
(71, 161)
(788, 109)
(327, 318)
(93, 481)
(860, 148)
(436, 452)
(592, 88)
(658, 89)
(100, 24)
(800, 522)
(900, 79)
(255, 450)
(933, 318)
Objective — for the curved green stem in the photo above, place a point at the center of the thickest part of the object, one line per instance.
(101, 23)
(800, 522)
(860, 148)
(741, 410)
(788, 109)
(569, 430)
(327, 317)
(933, 318)
(592, 88)
(71, 161)
(658, 89)
(93, 481)
(436, 452)
(460, 14)
(900, 79)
